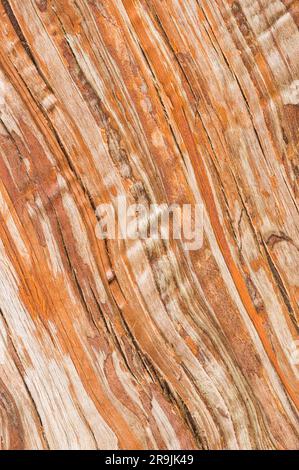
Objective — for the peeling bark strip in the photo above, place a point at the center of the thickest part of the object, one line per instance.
(136, 343)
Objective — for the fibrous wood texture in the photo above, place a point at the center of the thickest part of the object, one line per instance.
(138, 343)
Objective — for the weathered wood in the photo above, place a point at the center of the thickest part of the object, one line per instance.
(139, 343)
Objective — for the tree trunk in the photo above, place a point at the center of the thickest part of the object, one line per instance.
(114, 342)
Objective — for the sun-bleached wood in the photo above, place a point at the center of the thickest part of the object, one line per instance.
(137, 344)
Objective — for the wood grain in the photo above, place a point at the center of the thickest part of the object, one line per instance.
(140, 344)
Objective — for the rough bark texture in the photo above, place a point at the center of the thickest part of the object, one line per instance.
(139, 344)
